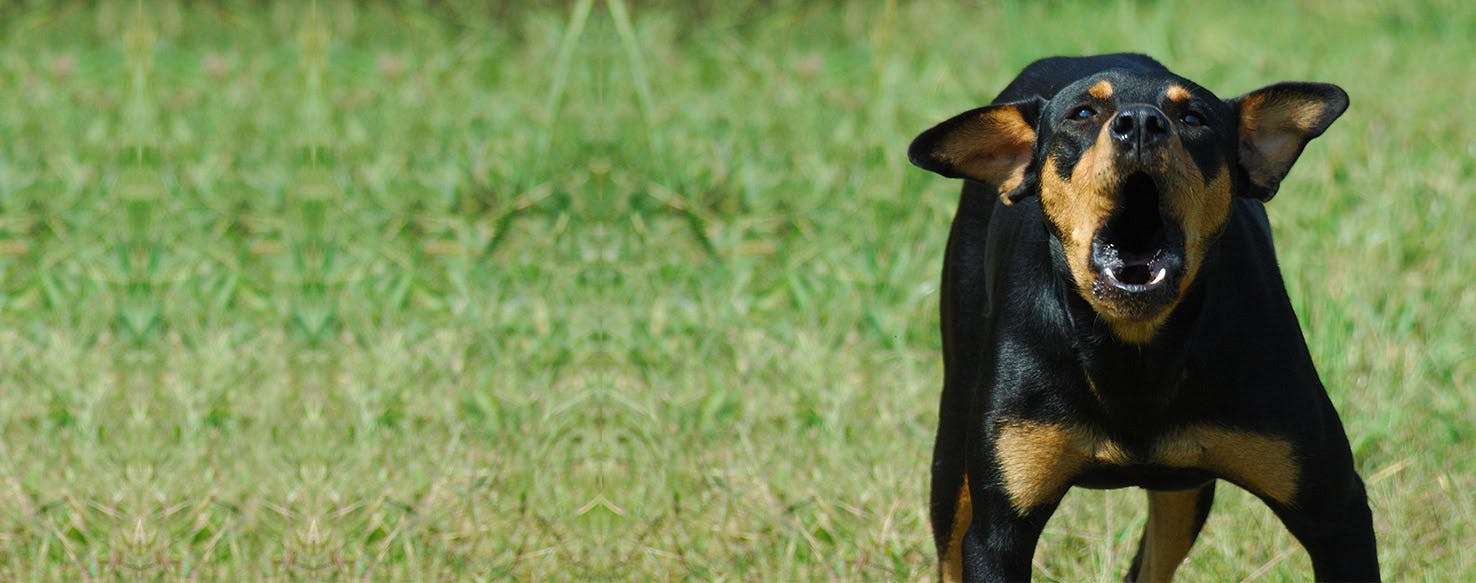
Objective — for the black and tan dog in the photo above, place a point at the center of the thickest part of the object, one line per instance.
(1113, 316)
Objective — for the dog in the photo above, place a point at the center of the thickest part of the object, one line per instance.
(1113, 316)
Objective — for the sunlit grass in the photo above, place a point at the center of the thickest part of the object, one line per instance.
(601, 290)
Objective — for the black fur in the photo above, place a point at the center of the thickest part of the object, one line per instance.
(1018, 339)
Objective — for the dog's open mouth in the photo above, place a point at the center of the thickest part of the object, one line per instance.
(1138, 250)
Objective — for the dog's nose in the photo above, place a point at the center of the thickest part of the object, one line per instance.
(1139, 127)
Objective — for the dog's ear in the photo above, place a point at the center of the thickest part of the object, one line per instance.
(991, 144)
(1275, 122)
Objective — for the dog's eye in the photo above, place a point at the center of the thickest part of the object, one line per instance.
(1192, 119)
(1083, 112)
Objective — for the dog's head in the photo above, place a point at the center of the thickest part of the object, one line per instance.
(1135, 174)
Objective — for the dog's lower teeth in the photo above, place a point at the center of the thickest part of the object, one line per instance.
(1158, 277)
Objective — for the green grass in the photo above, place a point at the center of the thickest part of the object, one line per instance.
(590, 290)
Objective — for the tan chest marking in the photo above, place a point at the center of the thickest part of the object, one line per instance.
(1039, 460)
(1262, 463)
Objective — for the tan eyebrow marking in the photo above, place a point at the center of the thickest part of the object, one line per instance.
(1101, 90)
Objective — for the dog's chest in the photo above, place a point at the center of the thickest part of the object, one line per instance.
(1039, 461)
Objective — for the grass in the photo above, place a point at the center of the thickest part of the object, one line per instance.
(446, 290)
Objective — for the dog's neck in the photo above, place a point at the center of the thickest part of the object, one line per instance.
(1133, 382)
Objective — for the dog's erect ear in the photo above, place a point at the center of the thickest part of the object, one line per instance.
(991, 144)
(1276, 122)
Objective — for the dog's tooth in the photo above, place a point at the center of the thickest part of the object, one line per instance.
(1158, 277)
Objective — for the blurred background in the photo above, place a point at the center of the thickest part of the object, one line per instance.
(633, 290)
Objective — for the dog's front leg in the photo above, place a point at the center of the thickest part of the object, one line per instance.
(1000, 542)
(1331, 517)
(1337, 532)
(1001, 538)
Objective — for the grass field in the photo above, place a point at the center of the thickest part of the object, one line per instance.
(442, 290)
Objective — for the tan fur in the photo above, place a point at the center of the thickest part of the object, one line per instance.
(1201, 209)
(996, 148)
(1168, 535)
(951, 568)
(1176, 93)
(1138, 331)
(1101, 90)
(1079, 207)
(1091, 385)
(1271, 133)
(1039, 460)
(1264, 464)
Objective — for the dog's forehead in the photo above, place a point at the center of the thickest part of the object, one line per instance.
(1124, 86)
